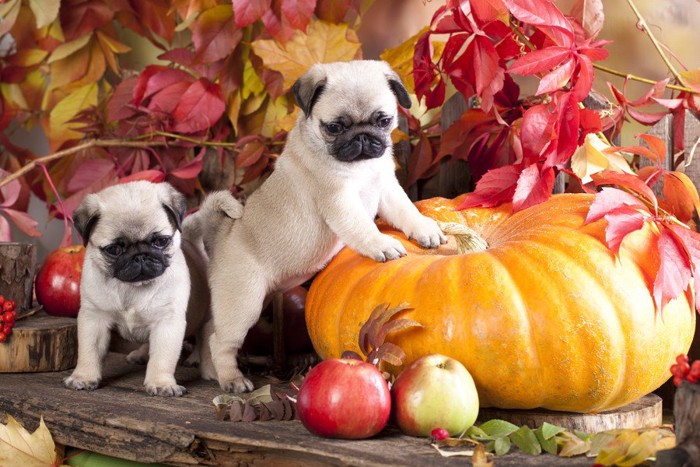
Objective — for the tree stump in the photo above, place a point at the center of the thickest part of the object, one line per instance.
(17, 262)
(686, 414)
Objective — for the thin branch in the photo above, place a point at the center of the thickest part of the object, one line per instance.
(94, 143)
(622, 74)
(645, 27)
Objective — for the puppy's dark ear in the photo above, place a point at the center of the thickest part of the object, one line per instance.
(309, 88)
(399, 90)
(174, 204)
(85, 217)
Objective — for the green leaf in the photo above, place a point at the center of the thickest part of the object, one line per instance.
(498, 428)
(526, 440)
(549, 431)
(502, 445)
(548, 444)
(572, 445)
(477, 433)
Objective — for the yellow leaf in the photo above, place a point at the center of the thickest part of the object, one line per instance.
(8, 15)
(322, 43)
(251, 82)
(80, 68)
(69, 48)
(234, 109)
(616, 450)
(276, 110)
(641, 449)
(19, 447)
(60, 130)
(45, 11)
(29, 57)
(589, 159)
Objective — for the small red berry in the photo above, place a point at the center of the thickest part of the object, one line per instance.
(3, 336)
(2, 300)
(9, 305)
(682, 358)
(438, 434)
(7, 329)
(677, 380)
(691, 378)
(8, 317)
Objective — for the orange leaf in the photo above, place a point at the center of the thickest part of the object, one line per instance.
(680, 195)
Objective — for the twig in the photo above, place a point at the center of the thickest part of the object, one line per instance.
(645, 27)
(640, 79)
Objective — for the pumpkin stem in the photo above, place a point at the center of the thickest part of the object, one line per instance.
(468, 241)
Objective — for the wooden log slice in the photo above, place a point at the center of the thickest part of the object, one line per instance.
(40, 343)
(644, 413)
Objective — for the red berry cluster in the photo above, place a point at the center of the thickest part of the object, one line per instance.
(7, 317)
(683, 370)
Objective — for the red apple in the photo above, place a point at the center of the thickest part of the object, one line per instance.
(344, 398)
(435, 391)
(57, 284)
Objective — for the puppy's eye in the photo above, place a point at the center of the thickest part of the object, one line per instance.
(161, 242)
(113, 249)
(334, 128)
(384, 122)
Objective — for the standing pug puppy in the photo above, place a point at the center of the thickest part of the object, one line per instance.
(136, 279)
(334, 176)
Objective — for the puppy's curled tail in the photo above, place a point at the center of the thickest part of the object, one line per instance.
(216, 207)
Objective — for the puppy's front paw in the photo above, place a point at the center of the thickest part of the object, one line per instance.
(81, 384)
(237, 385)
(163, 385)
(426, 232)
(384, 248)
(137, 357)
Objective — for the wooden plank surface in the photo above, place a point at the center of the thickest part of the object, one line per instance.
(120, 419)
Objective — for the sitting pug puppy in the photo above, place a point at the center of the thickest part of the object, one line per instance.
(140, 278)
(334, 176)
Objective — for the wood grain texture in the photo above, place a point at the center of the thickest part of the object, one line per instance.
(686, 414)
(120, 419)
(644, 413)
(17, 265)
(40, 343)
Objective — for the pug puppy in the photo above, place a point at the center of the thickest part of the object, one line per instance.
(335, 175)
(141, 278)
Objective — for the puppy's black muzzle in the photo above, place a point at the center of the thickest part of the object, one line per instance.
(362, 146)
(140, 263)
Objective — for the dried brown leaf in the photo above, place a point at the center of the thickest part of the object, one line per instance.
(248, 413)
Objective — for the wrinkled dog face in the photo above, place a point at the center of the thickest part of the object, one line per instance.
(133, 227)
(351, 107)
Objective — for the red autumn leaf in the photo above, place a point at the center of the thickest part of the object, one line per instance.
(557, 78)
(155, 176)
(154, 78)
(147, 18)
(537, 131)
(214, 34)
(191, 169)
(119, 106)
(497, 186)
(180, 55)
(650, 174)
(89, 171)
(534, 186)
(589, 14)
(80, 17)
(200, 107)
(584, 77)
(691, 243)
(546, 16)
(567, 130)
(246, 12)
(674, 274)
(621, 222)
(609, 199)
(23, 221)
(421, 160)
(166, 99)
(539, 61)
(657, 146)
(486, 11)
(250, 155)
(629, 181)
(298, 12)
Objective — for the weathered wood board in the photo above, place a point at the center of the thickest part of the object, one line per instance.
(120, 419)
(40, 343)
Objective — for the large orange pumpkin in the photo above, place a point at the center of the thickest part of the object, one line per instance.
(546, 316)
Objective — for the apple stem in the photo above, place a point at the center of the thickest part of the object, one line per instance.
(468, 241)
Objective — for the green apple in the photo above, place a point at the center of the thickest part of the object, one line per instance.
(435, 391)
